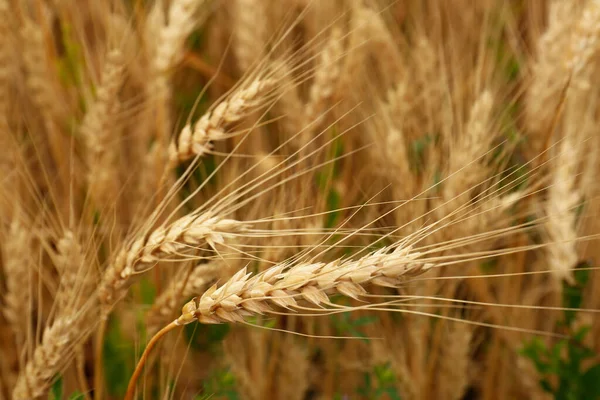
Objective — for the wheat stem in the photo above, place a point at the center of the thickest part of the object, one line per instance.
(140, 365)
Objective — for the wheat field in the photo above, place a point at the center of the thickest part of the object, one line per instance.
(299, 199)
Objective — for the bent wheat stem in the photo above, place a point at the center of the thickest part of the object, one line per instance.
(140, 365)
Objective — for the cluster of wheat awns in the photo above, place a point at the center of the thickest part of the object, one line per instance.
(288, 168)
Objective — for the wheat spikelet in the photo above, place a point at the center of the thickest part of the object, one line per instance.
(211, 126)
(183, 236)
(35, 379)
(183, 285)
(245, 295)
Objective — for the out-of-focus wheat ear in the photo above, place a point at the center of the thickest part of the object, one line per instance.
(44, 91)
(16, 253)
(563, 198)
(563, 52)
(172, 32)
(183, 285)
(249, 26)
(584, 40)
(77, 281)
(292, 369)
(369, 34)
(77, 278)
(466, 161)
(453, 374)
(282, 285)
(49, 357)
(245, 353)
(289, 101)
(196, 140)
(8, 152)
(184, 236)
(166, 35)
(468, 167)
(5, 63)
(327, 74)
(101, 136)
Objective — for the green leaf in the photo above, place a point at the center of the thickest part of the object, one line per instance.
(119, 359)
(147, 291)
(591, 382)
(56, 392)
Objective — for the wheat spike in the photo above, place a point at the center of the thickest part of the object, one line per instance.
(211, 126)
(98, 129)
(250, 31)
(327, 74)
(16, 250)
(173, 32)
(465, 159)
(563, 198)
(181, 237)
(48, 358)
(281, 285)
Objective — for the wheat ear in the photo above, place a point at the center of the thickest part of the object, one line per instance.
(16, 250)
(98, 129)
(245, 295)
(184, 235)
(250, 31)
(465, 161)
(48, 358)
(195, 141)
(327, 75)
(563, 198)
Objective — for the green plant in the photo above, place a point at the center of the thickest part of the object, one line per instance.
(569, 369)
